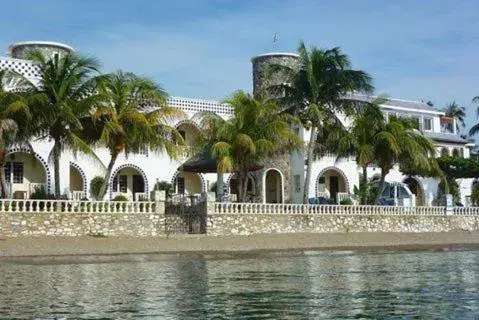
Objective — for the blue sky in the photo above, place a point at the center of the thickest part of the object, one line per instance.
(414, 49)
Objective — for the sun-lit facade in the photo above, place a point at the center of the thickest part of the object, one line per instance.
(279, 181)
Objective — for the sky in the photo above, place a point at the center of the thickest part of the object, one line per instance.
(416, 50)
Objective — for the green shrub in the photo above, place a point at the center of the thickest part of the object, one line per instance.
(120, 198)
(331, 201)
(40, 193)
(143, 198)
(95, 186)
(346, 202)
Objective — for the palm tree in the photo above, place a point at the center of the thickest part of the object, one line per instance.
(14, 127)
(453, 110)
(375, 141)
(475, 128)
(134, 115)
(256, 130)
(358, 139)
(66, 93)
(316, 90)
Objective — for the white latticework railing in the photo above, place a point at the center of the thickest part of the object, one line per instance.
(70, 206)
(262, 208)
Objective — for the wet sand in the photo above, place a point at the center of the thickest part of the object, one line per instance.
(54, 246)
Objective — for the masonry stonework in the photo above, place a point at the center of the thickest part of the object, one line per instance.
(246, 224)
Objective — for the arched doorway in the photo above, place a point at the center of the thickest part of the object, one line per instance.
(188, 183)
(444, 152)
(273, 186)
(331, 181)
(26, 174)
(415, 187)
(129, 181)
(77, 182)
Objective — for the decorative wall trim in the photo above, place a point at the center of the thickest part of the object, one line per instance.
(123, 166)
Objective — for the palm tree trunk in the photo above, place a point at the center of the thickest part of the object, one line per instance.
(382, 181)
(309, 163)
(240, 187)
(106, 179)
(3, 181)
(364, 183)
(245, 185)
(56, 169)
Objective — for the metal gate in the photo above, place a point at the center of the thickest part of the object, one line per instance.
(185, 214)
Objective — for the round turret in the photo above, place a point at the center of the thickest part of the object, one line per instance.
(20, 50)
(261, 64)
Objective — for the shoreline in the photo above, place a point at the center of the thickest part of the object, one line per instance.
(11, 247)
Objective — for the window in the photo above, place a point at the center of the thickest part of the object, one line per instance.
(427, 124)
(444, 152)
(122, 182)
(180, 185)
(455, 152)
(18, 172)
(8, 171)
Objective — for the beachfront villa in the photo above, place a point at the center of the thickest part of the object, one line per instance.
(279, 181)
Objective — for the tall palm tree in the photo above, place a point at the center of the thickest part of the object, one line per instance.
(375, 141)
(133, 115)
(257, 130)
(317, 90)
(475, 128)
(14, 117)
(453, 110)
(66, 93)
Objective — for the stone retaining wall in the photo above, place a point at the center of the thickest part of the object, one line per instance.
(225, 224)
(80, 224)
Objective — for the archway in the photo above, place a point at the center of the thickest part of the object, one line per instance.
(188, 183)
(129, 181)
(330, 182)
(78, 184)
(444, 152)
(273, 186)
(455, 152)
(415, 187)
(26, 174)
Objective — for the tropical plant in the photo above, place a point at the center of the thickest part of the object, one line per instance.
(164, 186)
(95, 186)
(316, 91)
(64, 94)
(120, 197)
(134, 115)
(475, 195)
(14, 117)
(375, 141)
(453, 110)
(257, 130)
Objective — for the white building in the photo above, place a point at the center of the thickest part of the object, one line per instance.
(281, 181)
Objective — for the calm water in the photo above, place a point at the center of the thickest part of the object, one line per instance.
(314, 285)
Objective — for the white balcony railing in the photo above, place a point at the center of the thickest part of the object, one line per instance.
(285, 209)
(342, 196)
(70, 206)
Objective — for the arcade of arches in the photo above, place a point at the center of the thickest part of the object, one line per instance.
(76, 180)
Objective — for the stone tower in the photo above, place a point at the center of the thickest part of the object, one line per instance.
(291, 165)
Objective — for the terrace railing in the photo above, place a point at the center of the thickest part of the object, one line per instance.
(287, 209)
(71, 206)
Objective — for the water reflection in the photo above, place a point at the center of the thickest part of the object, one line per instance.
(345, 285)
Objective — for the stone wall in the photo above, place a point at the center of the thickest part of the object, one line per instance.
(81, 224)
(244, 224)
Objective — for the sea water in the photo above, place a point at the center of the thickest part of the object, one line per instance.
(439, 284)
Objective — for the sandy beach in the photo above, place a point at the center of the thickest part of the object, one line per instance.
(53, 246)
